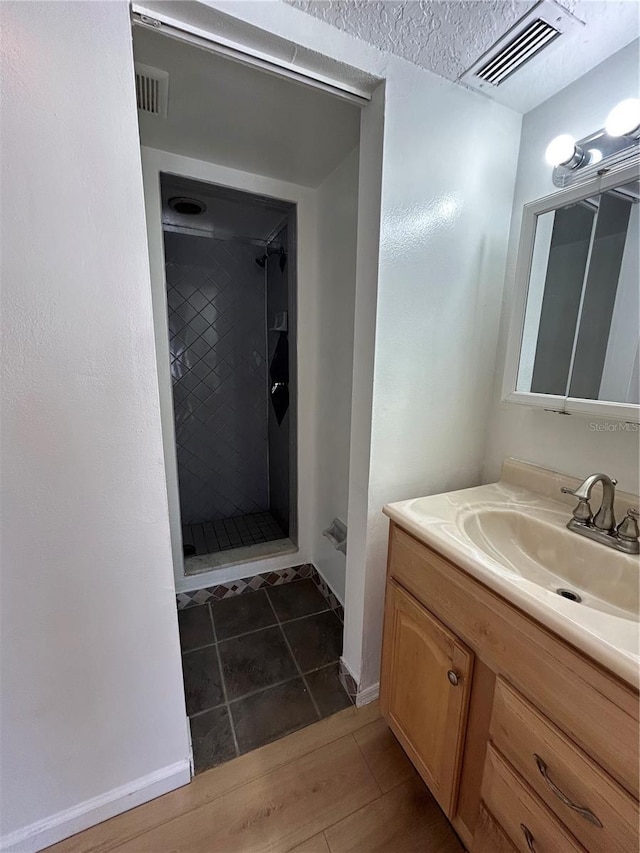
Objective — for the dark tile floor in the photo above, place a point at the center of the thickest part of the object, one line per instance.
(257, 667)
(227, 533)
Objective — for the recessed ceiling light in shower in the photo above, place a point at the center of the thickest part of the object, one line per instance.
(187, 206)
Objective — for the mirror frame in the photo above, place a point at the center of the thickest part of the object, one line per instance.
(628, 412)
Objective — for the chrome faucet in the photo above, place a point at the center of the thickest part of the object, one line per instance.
(602, 526)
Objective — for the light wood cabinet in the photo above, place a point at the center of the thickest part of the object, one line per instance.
(525, 819)
(490, 837)
(427, 714)
(533, 735)
(600, 814)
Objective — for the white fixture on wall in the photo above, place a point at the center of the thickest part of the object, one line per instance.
(336, 533)
(563, 151)
(617, 144)
(624, 119)
(533, 334)
(152, 90)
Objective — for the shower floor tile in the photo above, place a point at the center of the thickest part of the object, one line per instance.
(225, 534)
(278, 671)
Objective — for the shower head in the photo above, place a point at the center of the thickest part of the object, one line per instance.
(262, 260)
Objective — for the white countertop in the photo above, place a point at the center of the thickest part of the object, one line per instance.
(441, 521)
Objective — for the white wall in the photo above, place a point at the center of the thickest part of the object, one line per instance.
(447, 188)
(575, 445)
(337, 204)
(93, 716)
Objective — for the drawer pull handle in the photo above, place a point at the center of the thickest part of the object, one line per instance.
(586, 813)
(453, 677)
(528, 836)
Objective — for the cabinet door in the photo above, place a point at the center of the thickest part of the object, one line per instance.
(424, 691)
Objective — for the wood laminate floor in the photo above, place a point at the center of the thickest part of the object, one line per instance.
(342, 785)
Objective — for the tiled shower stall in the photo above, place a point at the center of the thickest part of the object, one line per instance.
(232, 454)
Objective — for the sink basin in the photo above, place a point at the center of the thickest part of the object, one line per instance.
(554, 558)
(512, 537)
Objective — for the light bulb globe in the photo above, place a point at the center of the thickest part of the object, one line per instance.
(560, 150)
(624, 118)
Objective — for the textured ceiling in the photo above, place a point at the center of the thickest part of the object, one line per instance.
(444, 37)
(447, 37)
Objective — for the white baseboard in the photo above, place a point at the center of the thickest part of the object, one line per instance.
(345, 664)
(42, 834)
(369, 694)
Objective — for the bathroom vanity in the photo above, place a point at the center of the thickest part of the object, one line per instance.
(517, 706)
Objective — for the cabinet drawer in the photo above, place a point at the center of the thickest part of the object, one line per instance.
(526, 820)
(489, 837)
(581, 698)
(601, 815)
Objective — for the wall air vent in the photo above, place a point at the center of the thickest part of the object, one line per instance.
(533, 33)
(152, 90)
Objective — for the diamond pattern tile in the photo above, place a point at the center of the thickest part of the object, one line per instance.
(217, 340)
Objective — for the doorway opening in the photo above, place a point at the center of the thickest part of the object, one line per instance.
(252, 185)
(230, 288)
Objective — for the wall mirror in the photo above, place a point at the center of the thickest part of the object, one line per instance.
(575, 333)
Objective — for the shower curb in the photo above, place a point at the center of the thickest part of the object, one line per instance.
(194, 598)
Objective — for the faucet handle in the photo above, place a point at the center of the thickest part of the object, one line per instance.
(628, 527)
(582, 511)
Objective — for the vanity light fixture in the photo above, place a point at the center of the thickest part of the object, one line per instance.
(563, 151)
(624, 118)
(617, 144)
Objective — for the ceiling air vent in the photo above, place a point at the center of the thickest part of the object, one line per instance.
(152, 90)
(533, 33)
(519, 50)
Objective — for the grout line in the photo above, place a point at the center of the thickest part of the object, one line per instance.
(248, 633)
(265, 627)
(224, 686)
(206, 710)
(299, 618)
(262, 689)
(293, 657)
(197, 648)
(280, 683)
(268, 687)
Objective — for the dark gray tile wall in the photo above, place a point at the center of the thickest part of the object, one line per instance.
(216, 303)
(279, 434)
